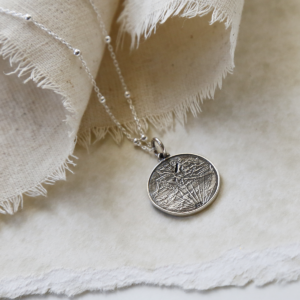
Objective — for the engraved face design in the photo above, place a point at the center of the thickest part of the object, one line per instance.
(182, 184)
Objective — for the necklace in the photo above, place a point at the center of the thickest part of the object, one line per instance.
(181, 184)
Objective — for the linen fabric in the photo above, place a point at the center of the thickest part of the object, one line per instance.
(169, 70)
(99, 231)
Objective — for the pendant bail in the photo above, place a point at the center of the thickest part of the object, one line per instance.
(159, 149)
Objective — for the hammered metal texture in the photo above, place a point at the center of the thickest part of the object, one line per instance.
(183, 184)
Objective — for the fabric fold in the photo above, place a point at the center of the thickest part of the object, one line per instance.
(40, 119)
(169, 74)
(173, 55)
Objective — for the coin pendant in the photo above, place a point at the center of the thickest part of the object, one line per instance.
(183, 184)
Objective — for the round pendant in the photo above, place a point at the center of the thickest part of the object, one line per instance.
(183, 184)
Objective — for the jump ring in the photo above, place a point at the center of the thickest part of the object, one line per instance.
(160, 154)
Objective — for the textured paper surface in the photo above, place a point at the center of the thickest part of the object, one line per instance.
(99, 231)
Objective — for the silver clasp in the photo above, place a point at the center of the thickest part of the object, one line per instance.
(159, 149)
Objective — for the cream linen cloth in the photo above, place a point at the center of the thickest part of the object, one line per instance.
(98, 230)
(168, 75)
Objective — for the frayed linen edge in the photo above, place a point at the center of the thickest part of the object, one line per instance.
(25, 68)
(181, 8)
(234, 268)
(185, 9)
(12, 204)
(165, 120)
(189, 9)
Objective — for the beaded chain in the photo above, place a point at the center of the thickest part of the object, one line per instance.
(140, 141)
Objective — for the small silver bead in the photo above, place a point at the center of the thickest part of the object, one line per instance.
(144, 138)
(28, 17)
(127, 94)
(136, 142)
(102, 99)
(76, 52)
(107, 39)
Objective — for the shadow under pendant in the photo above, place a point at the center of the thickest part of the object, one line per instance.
(183, 184)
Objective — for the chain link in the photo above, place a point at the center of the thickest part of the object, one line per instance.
(121, 78)
(140, 142)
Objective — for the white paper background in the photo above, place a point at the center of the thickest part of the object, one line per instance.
(98, 230)
(250, 292)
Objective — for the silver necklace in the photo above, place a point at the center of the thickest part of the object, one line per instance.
(181, 184)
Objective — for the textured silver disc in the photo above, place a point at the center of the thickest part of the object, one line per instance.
(183, 184)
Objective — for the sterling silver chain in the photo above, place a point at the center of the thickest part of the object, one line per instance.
(140, 141)
(181, 184)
